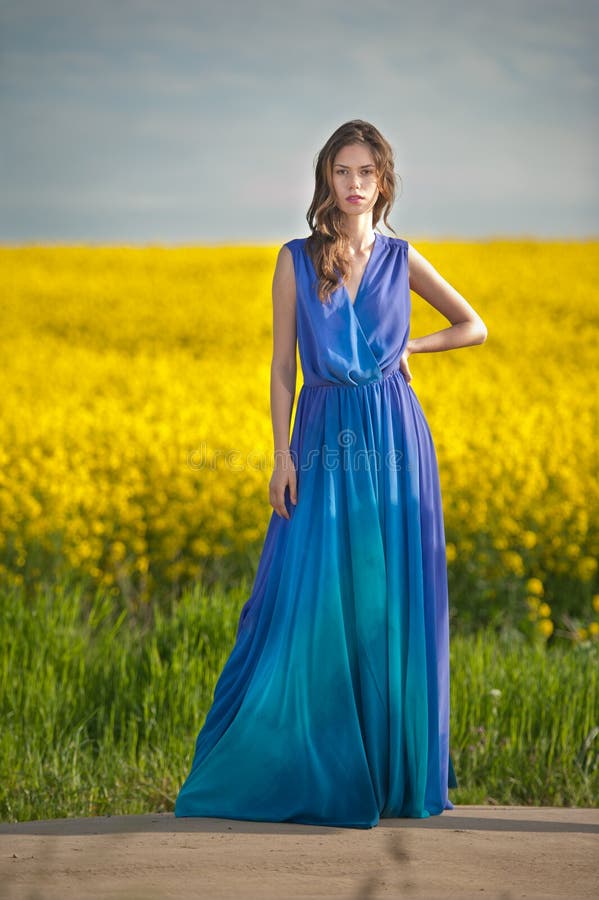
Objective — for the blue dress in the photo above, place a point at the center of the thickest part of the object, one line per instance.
(333, 706)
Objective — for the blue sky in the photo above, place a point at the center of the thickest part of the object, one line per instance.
(138, 121)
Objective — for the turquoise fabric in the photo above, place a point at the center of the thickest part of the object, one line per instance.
(333, 706)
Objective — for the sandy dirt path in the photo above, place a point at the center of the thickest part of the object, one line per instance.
(472, 851)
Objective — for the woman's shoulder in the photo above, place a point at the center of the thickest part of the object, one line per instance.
(394, 241)
(295, 242)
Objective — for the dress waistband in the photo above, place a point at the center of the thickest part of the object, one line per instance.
(330, 384)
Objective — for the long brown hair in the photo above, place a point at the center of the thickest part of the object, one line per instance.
(328, 243)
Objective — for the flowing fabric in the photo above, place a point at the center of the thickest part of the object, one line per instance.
(333, 706)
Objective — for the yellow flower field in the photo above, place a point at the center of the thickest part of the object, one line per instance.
(136, 441)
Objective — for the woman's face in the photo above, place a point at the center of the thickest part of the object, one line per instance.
(354, 176)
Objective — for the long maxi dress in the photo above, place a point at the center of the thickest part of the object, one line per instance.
(333, 706)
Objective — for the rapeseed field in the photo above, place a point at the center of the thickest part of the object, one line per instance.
(136, 441)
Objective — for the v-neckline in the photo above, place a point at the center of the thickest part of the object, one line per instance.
(375, 244)
(364, 273)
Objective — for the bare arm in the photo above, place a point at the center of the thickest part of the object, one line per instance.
(467, 327)
(283, 370)
(283, 375)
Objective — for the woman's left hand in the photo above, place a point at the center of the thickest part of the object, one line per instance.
(403, 365)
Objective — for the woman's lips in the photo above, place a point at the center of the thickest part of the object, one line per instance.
(354, 199)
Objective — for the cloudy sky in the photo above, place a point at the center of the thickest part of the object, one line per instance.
(198, 121)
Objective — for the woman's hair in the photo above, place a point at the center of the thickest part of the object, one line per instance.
(328, 243)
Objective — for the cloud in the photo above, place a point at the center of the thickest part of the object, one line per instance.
(115, 108)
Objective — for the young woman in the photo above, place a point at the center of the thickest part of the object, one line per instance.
(333, 706)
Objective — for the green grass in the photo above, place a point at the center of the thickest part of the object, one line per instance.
(100, 709)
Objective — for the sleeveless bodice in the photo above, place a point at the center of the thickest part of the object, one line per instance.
(341, 343)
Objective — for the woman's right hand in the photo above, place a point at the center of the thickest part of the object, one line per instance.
(283, 476)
